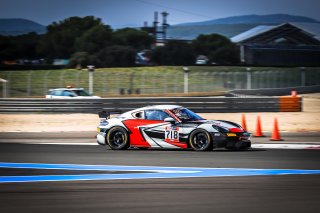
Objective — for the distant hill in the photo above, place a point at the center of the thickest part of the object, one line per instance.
(20, 26)
(254, 19)
(232, 26)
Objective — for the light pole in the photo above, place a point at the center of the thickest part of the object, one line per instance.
(90, 71)
(186, 79)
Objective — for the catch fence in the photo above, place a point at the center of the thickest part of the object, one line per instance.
(155, 81)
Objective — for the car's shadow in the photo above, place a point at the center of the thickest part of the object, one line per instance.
(135, 149)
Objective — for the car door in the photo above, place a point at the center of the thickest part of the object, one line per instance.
(164, 134)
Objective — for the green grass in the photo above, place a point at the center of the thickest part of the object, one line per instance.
(155, 80)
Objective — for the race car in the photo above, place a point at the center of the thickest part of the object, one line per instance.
(168, 126)
(70, 93)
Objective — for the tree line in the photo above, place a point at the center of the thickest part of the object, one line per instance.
(88, 41)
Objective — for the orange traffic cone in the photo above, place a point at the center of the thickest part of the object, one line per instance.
(258, 132)
(275, 133)
(243, 122)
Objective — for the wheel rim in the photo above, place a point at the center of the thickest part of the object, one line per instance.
(200, 141)
(118, 139)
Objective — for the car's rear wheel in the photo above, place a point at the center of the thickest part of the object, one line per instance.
(118, 138)
(200, 140)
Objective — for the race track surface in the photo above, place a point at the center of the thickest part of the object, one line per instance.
(249, 193)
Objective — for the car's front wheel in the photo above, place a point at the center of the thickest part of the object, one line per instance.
(118, 138)
(200, 140)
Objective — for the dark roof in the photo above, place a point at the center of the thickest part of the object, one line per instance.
(292, 33)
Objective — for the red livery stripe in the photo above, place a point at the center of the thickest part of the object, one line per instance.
(136, 138)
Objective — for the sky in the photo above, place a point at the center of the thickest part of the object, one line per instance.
(133, 13)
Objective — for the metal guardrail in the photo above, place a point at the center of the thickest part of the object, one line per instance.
(197, 104)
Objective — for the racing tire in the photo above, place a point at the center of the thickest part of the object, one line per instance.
(200, 140)
(118, 138)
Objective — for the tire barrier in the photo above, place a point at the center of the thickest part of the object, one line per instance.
(196, 104)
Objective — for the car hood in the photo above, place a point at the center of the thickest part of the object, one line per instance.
(225, 125)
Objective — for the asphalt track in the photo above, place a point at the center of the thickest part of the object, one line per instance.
(264, 192)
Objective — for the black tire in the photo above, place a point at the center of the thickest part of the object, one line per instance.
(118, 138)
(200, 140)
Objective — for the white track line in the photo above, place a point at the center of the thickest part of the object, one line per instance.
(301, 145)
(286, 146)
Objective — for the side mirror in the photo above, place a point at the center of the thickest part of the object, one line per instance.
(170, 120)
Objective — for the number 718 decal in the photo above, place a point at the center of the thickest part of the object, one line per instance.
(171, 134)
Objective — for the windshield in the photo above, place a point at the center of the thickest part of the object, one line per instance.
(186, 115)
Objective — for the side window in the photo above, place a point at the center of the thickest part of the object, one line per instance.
(68, 93)
(56, 92)
(156, 115)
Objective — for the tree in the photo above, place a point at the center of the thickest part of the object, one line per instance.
(115, 56)
(137, 39)
(60, 39)
(226, 55)
(7, 51)
(19, 47)
(174, 53)
(80, 58)
(94, 39)
(218, 48)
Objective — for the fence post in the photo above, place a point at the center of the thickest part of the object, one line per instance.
(90, 70)
(4, 89)
(8, 85)
(62, 78)
(205, 83)
(154, 85)
(45, 82)
(104, 83)
(249, 76)
(165, 82)
(131, 83)
(78, 73)
(142, 82)
(29, 83)
(186, 79)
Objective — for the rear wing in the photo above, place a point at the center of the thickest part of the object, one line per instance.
(107, 114)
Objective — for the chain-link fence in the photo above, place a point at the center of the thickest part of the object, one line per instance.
(162, 80)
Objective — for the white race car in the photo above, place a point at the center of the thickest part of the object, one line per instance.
(169, 126)
(69, 92)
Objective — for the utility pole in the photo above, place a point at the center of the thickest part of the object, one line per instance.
(165, 25)
(153, 30)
